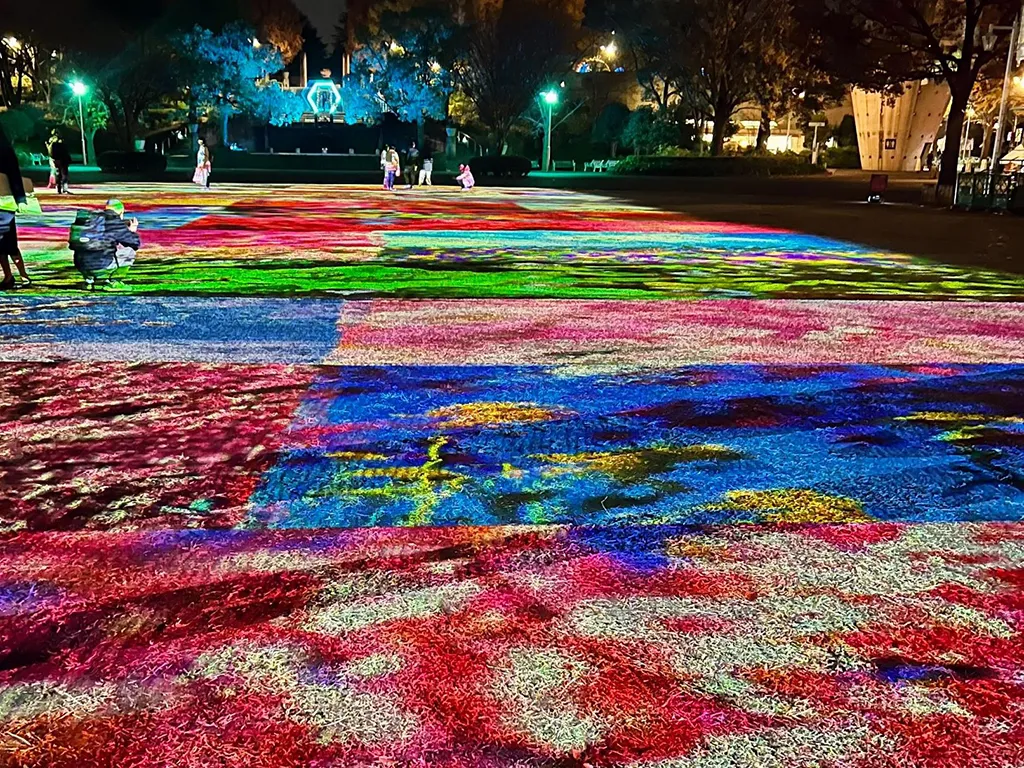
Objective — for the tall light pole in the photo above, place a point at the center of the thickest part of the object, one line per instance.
(550, 98)
(1011, 61)
(80, 89)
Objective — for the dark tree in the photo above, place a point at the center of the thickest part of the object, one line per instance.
(882, 44)
(140, 77)
(510, 56)
(703, 57)
(647, 131)
(279, 23)
(610, 124)
(787, 77)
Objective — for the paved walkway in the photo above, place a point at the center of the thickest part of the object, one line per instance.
(509, 478)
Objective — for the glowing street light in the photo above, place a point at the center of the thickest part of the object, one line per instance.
(610, 50)
(13, 43)
(1004, 102)
(550, 99)
(80, 89)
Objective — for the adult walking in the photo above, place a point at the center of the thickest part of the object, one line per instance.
(427, 169)
(12, 195)
(61, 160)
(412, 165)
(392, 167)
(204, 165)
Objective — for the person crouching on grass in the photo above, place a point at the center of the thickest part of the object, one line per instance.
(104, 245)
(465, 178)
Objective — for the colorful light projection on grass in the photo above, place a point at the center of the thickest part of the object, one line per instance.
(322, 241)
(858, 646)
(714, 445)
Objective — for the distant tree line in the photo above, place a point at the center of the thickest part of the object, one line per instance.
(482, 63)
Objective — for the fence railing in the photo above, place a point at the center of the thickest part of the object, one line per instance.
(985, 191)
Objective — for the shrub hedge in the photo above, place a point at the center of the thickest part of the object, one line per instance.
(725, 165)
(515, 166)
(841, 157)
(132, 162)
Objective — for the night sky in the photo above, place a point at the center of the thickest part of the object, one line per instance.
(323, 13)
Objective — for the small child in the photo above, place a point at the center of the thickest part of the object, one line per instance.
(465, 178)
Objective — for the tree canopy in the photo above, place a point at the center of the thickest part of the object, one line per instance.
(409, 59)
(510, 57)
(227, 73)
(883, 44)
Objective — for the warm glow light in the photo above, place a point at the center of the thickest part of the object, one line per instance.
(256, 43)
(610, 50)
(13, 43)
(79, 88)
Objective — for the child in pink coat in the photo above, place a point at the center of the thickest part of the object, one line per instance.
(465, 178)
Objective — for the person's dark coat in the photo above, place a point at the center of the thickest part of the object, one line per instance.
(102, 232)
(95, 237)
(9, 168)
(119, 233)
(59, 154)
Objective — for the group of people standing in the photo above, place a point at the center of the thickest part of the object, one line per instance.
(419, 166)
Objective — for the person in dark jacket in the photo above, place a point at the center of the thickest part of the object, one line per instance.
(11, 197)
(105, 245)
(61, 158)
(412, 164)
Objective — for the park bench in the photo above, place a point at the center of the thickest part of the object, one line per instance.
(600, 166)
(563, 165)
(38, 159)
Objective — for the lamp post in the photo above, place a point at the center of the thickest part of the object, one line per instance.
(80, 89)
(550, 99)
(1011, 56)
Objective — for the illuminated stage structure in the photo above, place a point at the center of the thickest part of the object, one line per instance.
(503, 479)
(324, 99)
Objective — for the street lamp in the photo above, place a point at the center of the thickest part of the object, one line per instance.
(1012, 54)
(80, 89)
(550, 98)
